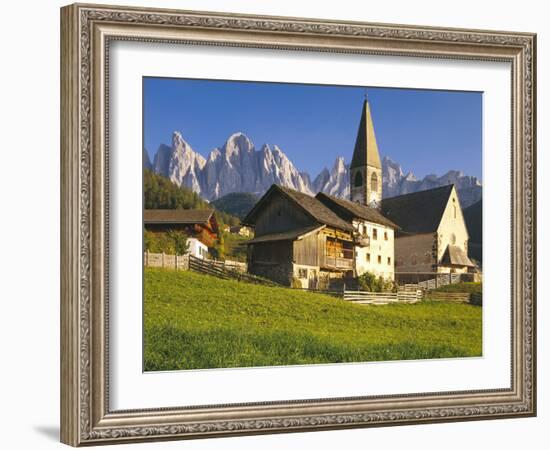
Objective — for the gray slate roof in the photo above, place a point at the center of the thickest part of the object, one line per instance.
(352, 210)
(181, 216)
(455, 256)
(313, 207)
(419, 212)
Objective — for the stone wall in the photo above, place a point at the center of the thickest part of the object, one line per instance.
(281, 273)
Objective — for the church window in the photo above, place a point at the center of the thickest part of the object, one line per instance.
(413, 259)
(385, 235)
(454, 211)
(453, 239)
(358, 180)
(379, 259)
(368, 257)
(389, 261)
(375, 234)
(427, 258)
(374, 182)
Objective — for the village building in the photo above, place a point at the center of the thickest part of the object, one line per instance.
(373, 236)
(299, 240)
(200, 225)
(433, 235)
(196, 248)
(241, 230)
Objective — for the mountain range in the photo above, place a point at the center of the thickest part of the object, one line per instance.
(238, 167)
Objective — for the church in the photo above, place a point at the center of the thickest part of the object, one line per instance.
(431, 232)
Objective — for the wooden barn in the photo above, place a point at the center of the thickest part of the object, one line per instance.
(298, 240)
(197, 223)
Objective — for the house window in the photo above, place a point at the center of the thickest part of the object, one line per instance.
(385, 235)
(374, 182)
(302, 273)
(358, 181)
(379, 259)
(389, 261)
(375, 234)
(368, 257)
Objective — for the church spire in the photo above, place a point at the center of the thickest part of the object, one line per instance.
(366, 148)
(365, 168)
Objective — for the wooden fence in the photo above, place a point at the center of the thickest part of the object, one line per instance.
(432, 280)
(178, 262)
(455, 297)
(181, 262)
(215, 269)
(382, 298)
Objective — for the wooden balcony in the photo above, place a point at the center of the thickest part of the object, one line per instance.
(340, 260)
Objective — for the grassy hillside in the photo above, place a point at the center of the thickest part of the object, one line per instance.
(195, 321)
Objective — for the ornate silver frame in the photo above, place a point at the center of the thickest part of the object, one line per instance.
(86, 31)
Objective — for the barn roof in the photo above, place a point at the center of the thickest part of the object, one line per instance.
(419, 212)
(351, 210)
(310, 205)
(285, 236)
(455, 256)
(180, 216)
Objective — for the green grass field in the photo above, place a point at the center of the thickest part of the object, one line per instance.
(194, 321)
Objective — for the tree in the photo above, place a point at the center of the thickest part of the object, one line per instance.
(179, 238)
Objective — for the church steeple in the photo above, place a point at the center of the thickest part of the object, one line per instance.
(366, 169)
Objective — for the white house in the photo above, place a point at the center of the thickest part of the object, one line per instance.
(197, 248)
(373, 236)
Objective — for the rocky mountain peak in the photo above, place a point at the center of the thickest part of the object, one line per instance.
(238, 167)
(236, 144)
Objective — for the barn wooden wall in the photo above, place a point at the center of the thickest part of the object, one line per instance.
(279, 215)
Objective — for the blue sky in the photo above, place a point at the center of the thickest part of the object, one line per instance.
(425, 131)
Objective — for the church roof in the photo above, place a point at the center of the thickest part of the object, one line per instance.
(353, 210)
(455, 256)
(366, 148)
(419, 212)
(310, 205)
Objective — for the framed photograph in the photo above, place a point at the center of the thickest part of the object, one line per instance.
(277, 224)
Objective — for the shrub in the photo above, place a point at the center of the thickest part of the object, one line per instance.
(370, 282)
(296, 283)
